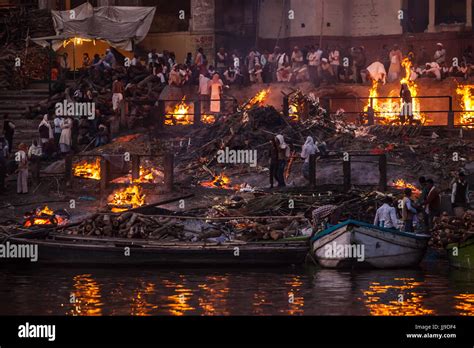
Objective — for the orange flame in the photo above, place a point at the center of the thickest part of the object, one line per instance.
(388, 110)
(180, 115)
(87, 170)
(126, 198)
(467, 103)
(220, 181)
(44, 216)
(208, 119)
(293, 112)
(258, 99)
(402, 184)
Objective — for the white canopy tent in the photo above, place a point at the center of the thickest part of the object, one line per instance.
(120, 26)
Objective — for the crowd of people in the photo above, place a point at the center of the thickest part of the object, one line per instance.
(419, 213)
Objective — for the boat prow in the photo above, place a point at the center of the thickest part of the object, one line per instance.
(356, 244)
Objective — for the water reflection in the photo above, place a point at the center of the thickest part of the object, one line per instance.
(402, 296)
(213, 300)
(272, 291)
(139, 303)
(295, 300)
(179, 301)
(86, 297)
(465, 304)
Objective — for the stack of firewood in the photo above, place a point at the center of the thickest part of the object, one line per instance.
(449, 229)
(129, 225)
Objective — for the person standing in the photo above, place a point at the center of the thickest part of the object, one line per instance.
(406, 111)
(58, 121)
(22, 178)
(35, 153)
(408, 211)
(273, 161)
(204, 92)
(9, 132)
(308, 149)
(65, 141)
(45, 130)
(215, 85)
(117, 98)
(432, 202)
(296, 58)
(386, 215)
(334, 61)
(460, 195)
(395, 64)
(283, 155)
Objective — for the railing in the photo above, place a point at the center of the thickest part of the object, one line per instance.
(365, 107)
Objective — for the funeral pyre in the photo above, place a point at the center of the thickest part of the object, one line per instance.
(387, 111)
(87, 169)
(450, 229)
(45, 216)
(126, 198)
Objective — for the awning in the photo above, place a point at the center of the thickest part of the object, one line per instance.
(119, 26)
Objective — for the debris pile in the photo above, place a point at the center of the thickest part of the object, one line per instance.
(449, 229)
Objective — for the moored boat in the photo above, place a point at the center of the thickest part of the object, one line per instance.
(461, 255)
(359, 244)
(81, 250)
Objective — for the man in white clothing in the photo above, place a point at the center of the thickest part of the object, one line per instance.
(386, 215)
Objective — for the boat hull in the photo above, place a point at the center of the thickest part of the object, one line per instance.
(463, 256)
(98, 251)
(368, 246)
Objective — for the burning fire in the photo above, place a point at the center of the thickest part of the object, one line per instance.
(467, 103)
(293, 112)
(43, 216)
(388, 111)
(180, 115)
(258, 99)
(126, 198)
(87, 170)
(220, 181)
(402, 184)
(147, 175)
(208, 119)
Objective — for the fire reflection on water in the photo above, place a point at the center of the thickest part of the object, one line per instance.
(179, 301)
(465, 304)
(214, 298)
(405, 300)
(296, 303)
(86, 298)
(139, 304)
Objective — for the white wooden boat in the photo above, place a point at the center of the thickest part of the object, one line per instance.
(359, 244)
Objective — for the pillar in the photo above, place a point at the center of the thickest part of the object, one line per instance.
(202, 27)
(468, 14)
(431, 22)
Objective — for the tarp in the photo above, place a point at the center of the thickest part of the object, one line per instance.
(119, 26)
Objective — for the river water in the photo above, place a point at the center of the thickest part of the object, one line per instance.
(433, 289)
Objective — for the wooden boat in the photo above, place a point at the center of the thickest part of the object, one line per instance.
(463, 256)
(55, 248)
(359, 244)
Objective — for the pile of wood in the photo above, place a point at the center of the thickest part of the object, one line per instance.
(449, 229)
(128, 225)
